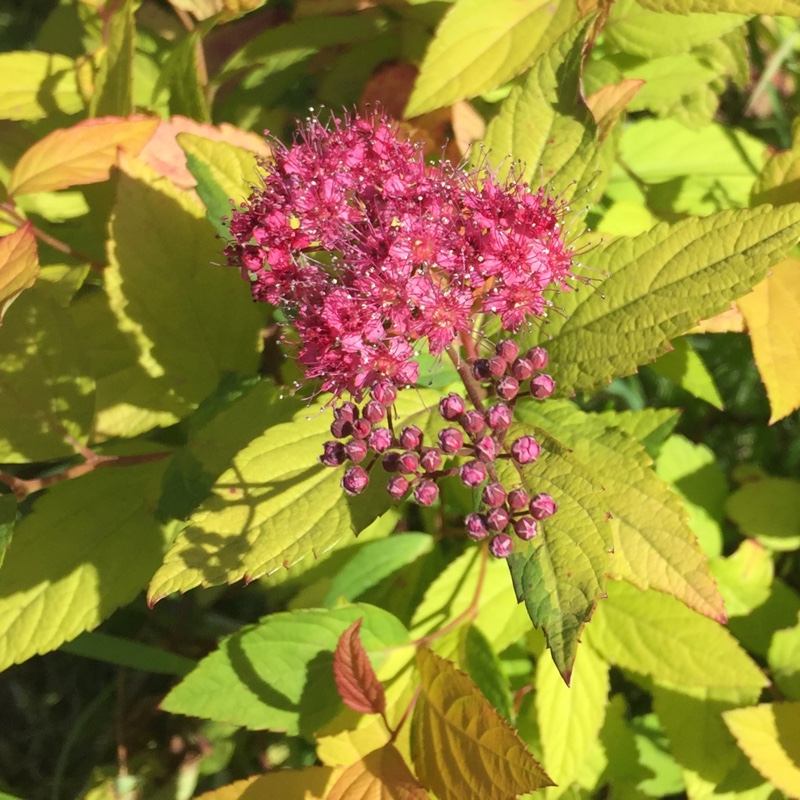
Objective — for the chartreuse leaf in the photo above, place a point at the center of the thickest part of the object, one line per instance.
(460, 745)
(653, 545)
(777, 182)
(87, 548)
(784, 661)
(769, 734)
(275, 506)
(685, 368)
(181, 74)
(744, 577)
(231, 791)
(8, 519)
(224, 173)
(19, 265)
(625, 770)
(757, 629)
(784, 8)
(472, 576)
(569, 717)
(311, 783)
(546, 126)
(113, 91)
(769, 511)
(770, 312)
(659, 284)
(382, 775)
(662, 775)
(478, 47)
(655, 635)
(560, 575)
(46, 388)
(201, 323)
(480, 661)
(278, 674)
(41, 82)
(78, 155)
(651, 427)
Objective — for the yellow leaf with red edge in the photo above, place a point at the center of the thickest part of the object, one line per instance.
(771, 312)
(380, 775)
(461, 746)
(311, 783)
(84, 153)
(232, 791)
(19, 265)
(769, 734)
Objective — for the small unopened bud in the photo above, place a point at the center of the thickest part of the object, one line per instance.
(451, 440)
(497, 519)
(426, 492)
(380, 439)
(501, 545)
(431, 459)
(494, 494)
(356, 450)
(526, 528)
(397, 486)
(384, 393)
(480, 369)
(543, 506)
(518, 499)
(408, 462)
(522, 369)
(476, 526)
(538, 357)
(542, 386)
(473, 473)
(452, 407)
(341, 428)
(374, 411)
(361, 428)
(507, 387)
(499, 417)
(525, 450)
(473, 422)
(410, 437)
(391, 461)
(508, 350)
(486, 449)
(333, 454)
(355, 480)
(347, 411)
(497, 366)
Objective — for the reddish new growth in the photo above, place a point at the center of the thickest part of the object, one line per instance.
(370, 251)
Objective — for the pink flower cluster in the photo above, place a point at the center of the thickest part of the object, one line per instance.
(369, 250)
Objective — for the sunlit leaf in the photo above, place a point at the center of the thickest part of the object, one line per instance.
(685, 368)
(356, 682)
(113, 91)
(769, 510)
(41, 81)
(19, 265)
(784, 661)
(787, 8)
(311, 783)
(380, 775)
(744, 577)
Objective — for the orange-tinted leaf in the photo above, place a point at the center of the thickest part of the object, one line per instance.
(84, 153)
(771, 312)
(461, 746)
(380, 775)
(231, 791)
(311, 783)
(730, 321)
(608, 103)
(19, 265)
(356, 681)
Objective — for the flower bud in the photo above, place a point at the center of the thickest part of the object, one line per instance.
(380, 439)
(525, 450)
(356, 450)
(384, 393)
(473, 422)
(341, 428)
(526, 528)
(507, 387)
(426, 492)
(397, 487)
(518, 499)
(361, 428)
(347, 411)
(355, 480)
(431, 459)
(480, 369)
(494, 494)
(508, 350)
(333, 454)
(501, 545)
(497, 519)
(408, 462)
(410, 437)
(476, 526)
(374, 412)
(497, 366)
(473, 473)
(499, 417)
(542, 386)
(391, 461)
(452, 407)
(538, 357)
(451, 440)
(543, 506)
(486, 449)
(522, 369)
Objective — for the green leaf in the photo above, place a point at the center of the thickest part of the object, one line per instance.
(128, 653)
(180, 74)
(560, 575)
(619, 745)
(278, 674)
(744, 578)
(784, 661)
(685, 368)
(655, 635)
(769, 511)
(570, 717)
(46, 389)
(785, 8)
(478, 47)
(663, 775)
(42, 82)
(651, 427)
(87, 548)
(223, 172)
(375, 561)
(653, 545)
(113, 93)
(659, 284)
(755, 631)
(545, 125)
(191, 320)
(481, 663)
(8, 518)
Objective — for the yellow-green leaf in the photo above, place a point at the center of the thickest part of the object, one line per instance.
(479, 46)
(784, 661)
(460, 745)
(768, 510)
(771, 311)
(770, 736)
(655, 635)
(744, 577)
(40, 81)
(19, 265)
(78, 155)
(113, 91)
(685, 368)
(785, 8)
(380, 775)
(231, 791)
